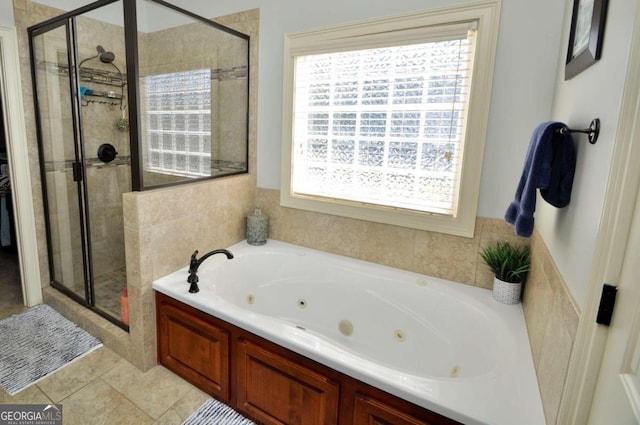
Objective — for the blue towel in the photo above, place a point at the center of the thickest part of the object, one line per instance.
(549, 166)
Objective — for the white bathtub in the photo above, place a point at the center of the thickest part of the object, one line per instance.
(444, 346)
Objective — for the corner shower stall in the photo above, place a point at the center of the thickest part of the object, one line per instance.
(129, 95)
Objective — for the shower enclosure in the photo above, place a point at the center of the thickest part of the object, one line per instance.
(130, 95)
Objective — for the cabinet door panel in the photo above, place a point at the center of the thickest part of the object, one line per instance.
(275, 390)
(373, 412)
(194, 349)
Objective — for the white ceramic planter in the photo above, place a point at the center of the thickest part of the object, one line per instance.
(506, 292)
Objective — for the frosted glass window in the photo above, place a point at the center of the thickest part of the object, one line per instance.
(384, 125)
(178, 116)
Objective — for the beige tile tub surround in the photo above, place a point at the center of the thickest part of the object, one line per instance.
(435, 254)
(552, 322)
(550, 313)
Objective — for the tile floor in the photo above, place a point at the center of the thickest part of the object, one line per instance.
(108, 288)
(102, 387)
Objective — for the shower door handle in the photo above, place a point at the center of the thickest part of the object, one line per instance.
(77, 171)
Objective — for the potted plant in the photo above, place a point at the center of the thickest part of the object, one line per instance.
(509, 264)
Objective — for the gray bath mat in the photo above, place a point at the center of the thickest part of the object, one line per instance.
(36, 343)
(213, 412)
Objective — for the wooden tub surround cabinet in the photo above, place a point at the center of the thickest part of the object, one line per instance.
(266, 382)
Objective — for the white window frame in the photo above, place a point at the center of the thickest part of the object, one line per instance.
(391, 31)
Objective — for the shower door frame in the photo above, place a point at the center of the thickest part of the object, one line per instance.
(68, 21)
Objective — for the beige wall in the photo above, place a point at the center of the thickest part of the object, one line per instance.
(552, 322)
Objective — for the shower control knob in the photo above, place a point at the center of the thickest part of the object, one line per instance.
(106, 152)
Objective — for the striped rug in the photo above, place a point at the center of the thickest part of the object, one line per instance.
(36, 343)
(214, 412)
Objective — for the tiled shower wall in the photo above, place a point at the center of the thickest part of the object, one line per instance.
(228, 95)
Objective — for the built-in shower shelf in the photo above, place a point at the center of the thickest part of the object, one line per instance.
(87, 75)
(103, 93)
(67, 166)
(99, 76)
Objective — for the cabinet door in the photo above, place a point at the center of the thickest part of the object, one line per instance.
(368, 411)
(193, 348)
(275, 390)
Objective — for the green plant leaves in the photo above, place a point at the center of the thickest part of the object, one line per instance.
(508, 263)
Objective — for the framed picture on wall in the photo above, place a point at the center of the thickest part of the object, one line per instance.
(585, 38)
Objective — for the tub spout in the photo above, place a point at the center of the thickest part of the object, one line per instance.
(194, 263)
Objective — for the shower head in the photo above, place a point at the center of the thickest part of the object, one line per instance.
(107, 57)
(104, 56)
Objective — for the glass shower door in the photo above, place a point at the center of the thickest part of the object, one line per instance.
(82, 118)
(59, 151)
(100, 49)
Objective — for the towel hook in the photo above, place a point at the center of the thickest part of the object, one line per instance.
(593, 131)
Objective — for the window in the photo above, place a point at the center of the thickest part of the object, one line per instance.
(178, 112)
(385, 121)
(383, 126)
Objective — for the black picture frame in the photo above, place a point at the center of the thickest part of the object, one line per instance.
(585, 38)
